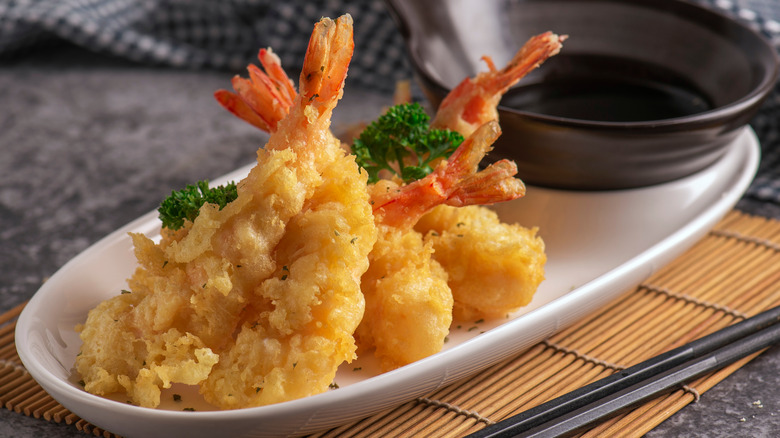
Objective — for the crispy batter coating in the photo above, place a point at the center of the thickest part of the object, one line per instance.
(256, 302)
(298, 327)
(115, 359)
(494, 268)
(408, 301)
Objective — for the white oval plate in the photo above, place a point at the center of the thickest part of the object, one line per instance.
(599, 245)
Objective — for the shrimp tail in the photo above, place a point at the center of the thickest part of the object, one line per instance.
(273, 68)
(321, 77)
(239, 108)
(496, 183)
(533, 53)
(454, 182)
(265, 98)
(473, 102)
(493, 184)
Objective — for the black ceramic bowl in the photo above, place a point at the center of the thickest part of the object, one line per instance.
(643, 91)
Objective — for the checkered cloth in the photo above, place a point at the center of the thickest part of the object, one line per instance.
(226, 34)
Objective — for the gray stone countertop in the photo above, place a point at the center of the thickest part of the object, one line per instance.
(88, 143)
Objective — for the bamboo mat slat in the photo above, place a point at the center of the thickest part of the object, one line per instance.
(729, 275)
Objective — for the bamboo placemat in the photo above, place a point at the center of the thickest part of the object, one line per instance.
(731, 274)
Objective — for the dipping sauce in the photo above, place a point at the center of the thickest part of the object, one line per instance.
(605, 89)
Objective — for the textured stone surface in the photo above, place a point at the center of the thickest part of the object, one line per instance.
(88, 143)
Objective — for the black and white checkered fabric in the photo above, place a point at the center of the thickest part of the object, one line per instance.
(226, 34)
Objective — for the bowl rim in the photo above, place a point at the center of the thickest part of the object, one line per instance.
(756, 95)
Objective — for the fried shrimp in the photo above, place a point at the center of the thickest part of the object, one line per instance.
(409, 301)
(415, 276)
(258, 301)
(494, 268)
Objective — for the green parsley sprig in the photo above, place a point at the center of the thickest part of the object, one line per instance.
(399, 137)
(185, 204)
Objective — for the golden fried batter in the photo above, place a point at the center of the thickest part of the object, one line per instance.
(256, 302)
(408, 301)
(494, 268)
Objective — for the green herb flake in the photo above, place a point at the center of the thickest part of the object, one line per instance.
(176, 397)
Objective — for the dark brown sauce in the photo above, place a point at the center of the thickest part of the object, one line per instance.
(607, 90)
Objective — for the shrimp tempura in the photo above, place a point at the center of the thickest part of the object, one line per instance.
(256, 302)
(494, 268)
(410, 279)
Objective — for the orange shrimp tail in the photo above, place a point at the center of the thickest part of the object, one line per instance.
(454, 182)
(533, 53)
(265, 98)
(473, 102)
(273, 67)
(494, 184)
(321, 78)
(491, 185)
(233, 103)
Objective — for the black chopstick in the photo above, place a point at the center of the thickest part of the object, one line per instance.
(611, 395)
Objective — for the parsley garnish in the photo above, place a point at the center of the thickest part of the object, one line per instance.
(185, 204)
(400, 136)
